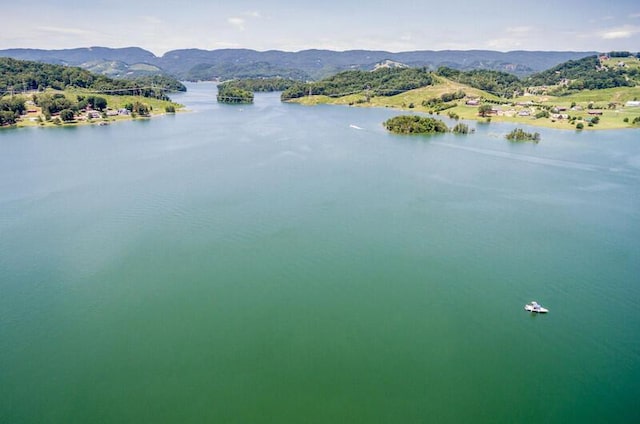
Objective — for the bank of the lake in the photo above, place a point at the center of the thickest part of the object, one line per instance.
(118, 109)
(278, 263)
(520, 111)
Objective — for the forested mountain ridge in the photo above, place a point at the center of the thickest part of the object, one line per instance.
(306, 64)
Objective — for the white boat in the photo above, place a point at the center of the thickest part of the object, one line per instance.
(535, 307)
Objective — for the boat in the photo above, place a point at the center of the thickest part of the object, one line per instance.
(535, 307)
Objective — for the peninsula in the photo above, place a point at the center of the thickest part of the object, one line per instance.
(38, 94)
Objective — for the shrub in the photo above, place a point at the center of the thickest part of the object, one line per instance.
(461, 128)
(66, 115)
(519, 134)
(542, 114)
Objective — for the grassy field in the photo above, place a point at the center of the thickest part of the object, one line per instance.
(615, 62)
(611, 102)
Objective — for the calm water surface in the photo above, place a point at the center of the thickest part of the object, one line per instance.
(276, 263)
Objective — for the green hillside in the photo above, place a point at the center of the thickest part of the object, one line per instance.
(381, 82)
(589, 73)
(24, 76)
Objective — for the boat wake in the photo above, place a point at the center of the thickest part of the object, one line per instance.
(355, 127)
(528, 158)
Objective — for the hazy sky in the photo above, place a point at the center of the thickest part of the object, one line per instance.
(289, 25)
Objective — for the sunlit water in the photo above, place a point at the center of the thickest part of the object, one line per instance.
(275, 263)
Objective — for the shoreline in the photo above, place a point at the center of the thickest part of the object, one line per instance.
(115, 110)
(83, 123)
(562, 113)
(464, 115)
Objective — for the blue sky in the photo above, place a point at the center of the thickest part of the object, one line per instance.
(399, 25)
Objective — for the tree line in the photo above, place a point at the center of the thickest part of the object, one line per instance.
(381, 82)
(498, 83)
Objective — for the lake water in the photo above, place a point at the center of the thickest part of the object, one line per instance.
(276, 263)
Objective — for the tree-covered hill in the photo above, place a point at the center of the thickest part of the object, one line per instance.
(381, 82)
(232, 94)
(586, 73)
(498, 83)
(78, 56)
(20, 75)
(119, 69)
(226, 71)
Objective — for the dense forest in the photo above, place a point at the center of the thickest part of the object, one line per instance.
(21, 76)
(501, 84)
(381, 82)
(225, 71)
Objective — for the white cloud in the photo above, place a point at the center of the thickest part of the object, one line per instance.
(152, 20)
(512, 38)
(237, 22)
(519, 30)
(62, 31)
(503, 44)
(635, 15)
(626, 31)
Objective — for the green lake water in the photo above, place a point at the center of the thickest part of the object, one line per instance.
(275, 263)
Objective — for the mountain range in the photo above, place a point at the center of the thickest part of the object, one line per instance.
(197, 64)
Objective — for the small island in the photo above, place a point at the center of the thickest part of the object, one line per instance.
(414, 124)
(230, 93)
(519, 134)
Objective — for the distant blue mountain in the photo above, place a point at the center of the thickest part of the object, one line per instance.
(305, 64)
